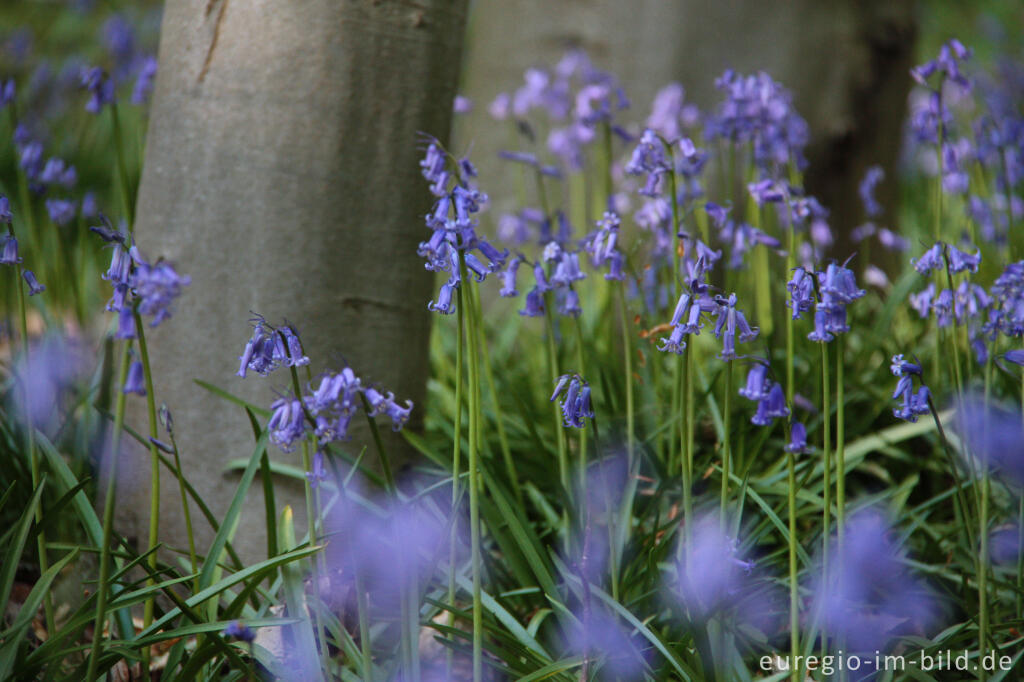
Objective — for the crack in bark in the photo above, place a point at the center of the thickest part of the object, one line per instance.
(216, 34)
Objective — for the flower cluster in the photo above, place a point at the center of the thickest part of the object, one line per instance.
(837, 288)
(576, 403)
(759, 111)
(154, 286)
(325, 413)
(454, 237)
(914, 403)
(769, 396)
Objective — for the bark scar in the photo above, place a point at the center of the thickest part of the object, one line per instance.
(216, 34)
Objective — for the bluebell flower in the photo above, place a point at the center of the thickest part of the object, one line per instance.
(157, 286)
(947, 64)
(840, 284)
(914, 403)
(239, 631)
(872, 177)
(34, 287)
(960, 261)
(444, 304)
(7, 92)
(9, 251)
(1007, 312)
(317, 474)
(1014, 356)
(534, 304)
(508, 277)
(772, 406)
(576, 403)
(385, 404)
(62, 211)
(125, 323)
(649, 157)
(730, 320)
(287, 422)
(144, 81)
(797, 439)
(135, 383)
(869, 597)
(100, 87)
(942, 307)
(569, 303)
(57, 172)
(931, 260)
(892, 241)
(670, 114)
(922, 300)
(713, 573)
(758, 385)
(266, 350)
(992, 433)
(801, 292)
(5, 211)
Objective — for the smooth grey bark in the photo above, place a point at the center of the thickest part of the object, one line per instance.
(281, 174)
(846, 62)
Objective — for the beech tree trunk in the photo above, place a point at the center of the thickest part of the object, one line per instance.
(281, 174)
(846, 62)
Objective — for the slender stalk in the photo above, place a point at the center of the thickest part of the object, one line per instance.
(583, 432)
(474, 487)
(499, 420)
(627, 353)
(456, 465)
(193, 557)
(727, 423)
(154, 480)
(840, 447)
(385, 464)
(102, 588)
(563, 458)
(794, 588)
(826, 397)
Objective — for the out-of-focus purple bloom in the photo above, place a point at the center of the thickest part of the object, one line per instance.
(100, 87)
(1004, 545)
(992, 433)
(157, 286)
(870, 597)
(576, 403)
(90, 208)
(7, 92)
(1007, 313)
(239, 631)
(534, 303)
(9, 252)
(758, 110)
(57, 172)
(947, 65)
(892, 241)
(649, 157)
(922, 300)
(1014, 356)
(598, 636)
(135, 383)
(462, 104)
(670, 114)
(34, 287)
(500, 107)
(872, 178)
(713, 573)
(766, 191)
(144, 81)
(718, 214)
(62, 211)
(51, 367)
(5, 211)
(876, 277)
(508, 277)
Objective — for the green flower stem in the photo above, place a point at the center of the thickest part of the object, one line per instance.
(385, 463)
(627, 355)
(499, 418)
(826, 411)
(563, 458)
(456, 466)
(474, 484)
(794, 587)
(686, 463)
(154, 480)
(727, 423)
(102, 587)
(583, 432)
(840, 445)
(193, 557)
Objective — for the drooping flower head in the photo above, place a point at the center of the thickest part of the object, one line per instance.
(913, 403)
(730, 322)
(576, 401)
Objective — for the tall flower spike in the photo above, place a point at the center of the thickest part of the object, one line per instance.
(576, 403)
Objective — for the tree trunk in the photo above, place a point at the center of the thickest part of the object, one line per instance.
(281, 174)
